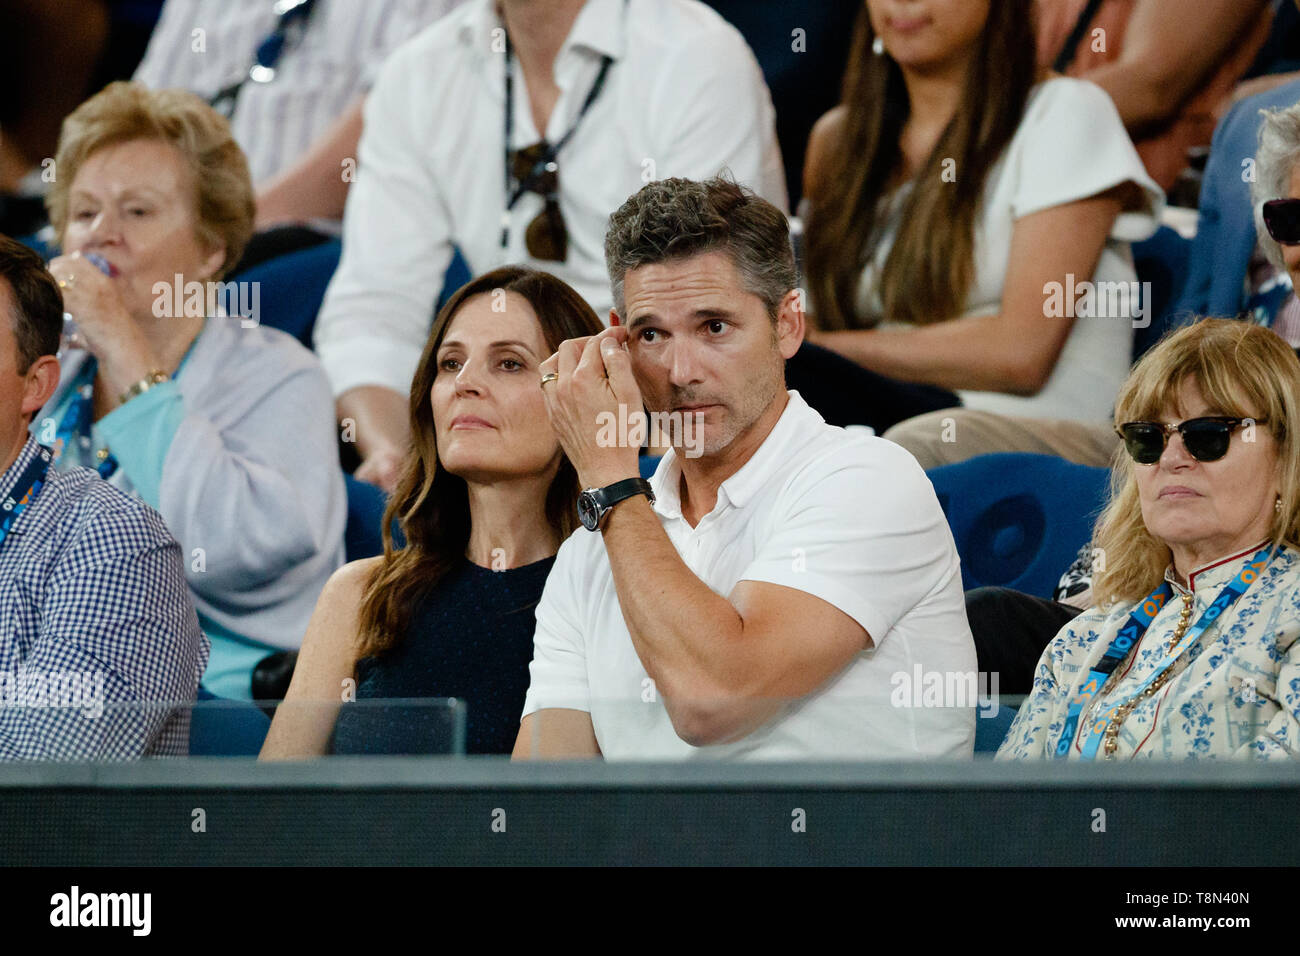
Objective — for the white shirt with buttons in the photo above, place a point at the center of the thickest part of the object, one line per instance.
(684, 97)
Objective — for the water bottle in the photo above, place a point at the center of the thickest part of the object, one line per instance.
(71, 338)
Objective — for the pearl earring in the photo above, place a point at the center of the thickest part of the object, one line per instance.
(1277, 504)
(878, 46)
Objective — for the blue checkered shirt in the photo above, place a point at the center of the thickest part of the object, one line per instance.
(99, 641)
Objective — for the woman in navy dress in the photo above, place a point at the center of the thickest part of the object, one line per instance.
(485, 498)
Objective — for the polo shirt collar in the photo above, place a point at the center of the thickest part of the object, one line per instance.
(780, 445)
(666, 483)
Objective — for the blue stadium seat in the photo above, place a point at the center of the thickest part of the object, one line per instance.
(363, 536)
(458, 274)
(1019, 519)
(292, 286)
(45, 250)
(231, 728)
(991, 731)
(1162, 261)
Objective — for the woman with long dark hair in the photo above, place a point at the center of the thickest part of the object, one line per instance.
(959, 202)
(484, 500)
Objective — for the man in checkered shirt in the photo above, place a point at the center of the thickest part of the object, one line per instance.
(99, 641)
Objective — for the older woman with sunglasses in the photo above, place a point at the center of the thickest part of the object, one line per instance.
(1193, 647)
(1275, 194)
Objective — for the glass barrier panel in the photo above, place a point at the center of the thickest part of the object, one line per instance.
(934, 721)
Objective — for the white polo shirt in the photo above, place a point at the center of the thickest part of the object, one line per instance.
(684, 97)
(849, 518)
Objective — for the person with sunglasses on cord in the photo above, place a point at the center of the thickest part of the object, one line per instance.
(1193, 646)
(510, 130)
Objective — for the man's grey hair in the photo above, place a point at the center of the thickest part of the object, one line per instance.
(1277, 156)
(673, 219)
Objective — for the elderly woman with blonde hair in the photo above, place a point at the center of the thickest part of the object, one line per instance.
(223, 426)
(1193, 646)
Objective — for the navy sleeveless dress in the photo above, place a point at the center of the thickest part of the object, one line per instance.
(471, 637)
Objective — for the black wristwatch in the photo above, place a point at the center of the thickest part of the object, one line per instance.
(595, 503)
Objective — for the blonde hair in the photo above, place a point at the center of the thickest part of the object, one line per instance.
(1243, 370)
(122, 112)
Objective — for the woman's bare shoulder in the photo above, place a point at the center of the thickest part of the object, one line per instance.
(339, 603)
(351, 579)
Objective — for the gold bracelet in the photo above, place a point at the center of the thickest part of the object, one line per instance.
(156, 377)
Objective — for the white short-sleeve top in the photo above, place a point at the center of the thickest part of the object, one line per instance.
(1070, 145)
(848, 518)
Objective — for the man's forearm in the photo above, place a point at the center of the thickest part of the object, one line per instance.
(377, 416)
(1170, 50)
(681, 628)
(315, 187)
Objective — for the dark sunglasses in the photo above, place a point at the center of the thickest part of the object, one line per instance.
(1282, 219)
(547, 237)
(1206, 439)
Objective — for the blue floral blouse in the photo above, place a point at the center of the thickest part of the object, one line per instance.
(1235, 692)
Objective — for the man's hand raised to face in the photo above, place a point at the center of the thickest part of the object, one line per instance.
(594, 382)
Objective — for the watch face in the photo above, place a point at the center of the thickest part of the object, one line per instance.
(588, 511)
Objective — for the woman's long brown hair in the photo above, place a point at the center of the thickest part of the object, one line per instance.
(430, 504)
(930, 268)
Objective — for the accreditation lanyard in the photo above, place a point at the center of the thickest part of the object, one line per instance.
(1127, 639)
(546, 161)
(290, 15)
(77, 421)
(26, 488)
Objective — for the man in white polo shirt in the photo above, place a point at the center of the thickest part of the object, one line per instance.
(758, 597)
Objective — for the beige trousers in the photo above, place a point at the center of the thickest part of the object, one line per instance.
(951, 435)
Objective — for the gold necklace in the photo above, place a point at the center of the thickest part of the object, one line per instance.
(1110, 740)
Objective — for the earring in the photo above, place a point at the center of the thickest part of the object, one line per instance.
(878, 46)
(1277, 504)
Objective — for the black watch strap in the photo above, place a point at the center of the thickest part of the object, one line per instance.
(595, 503)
